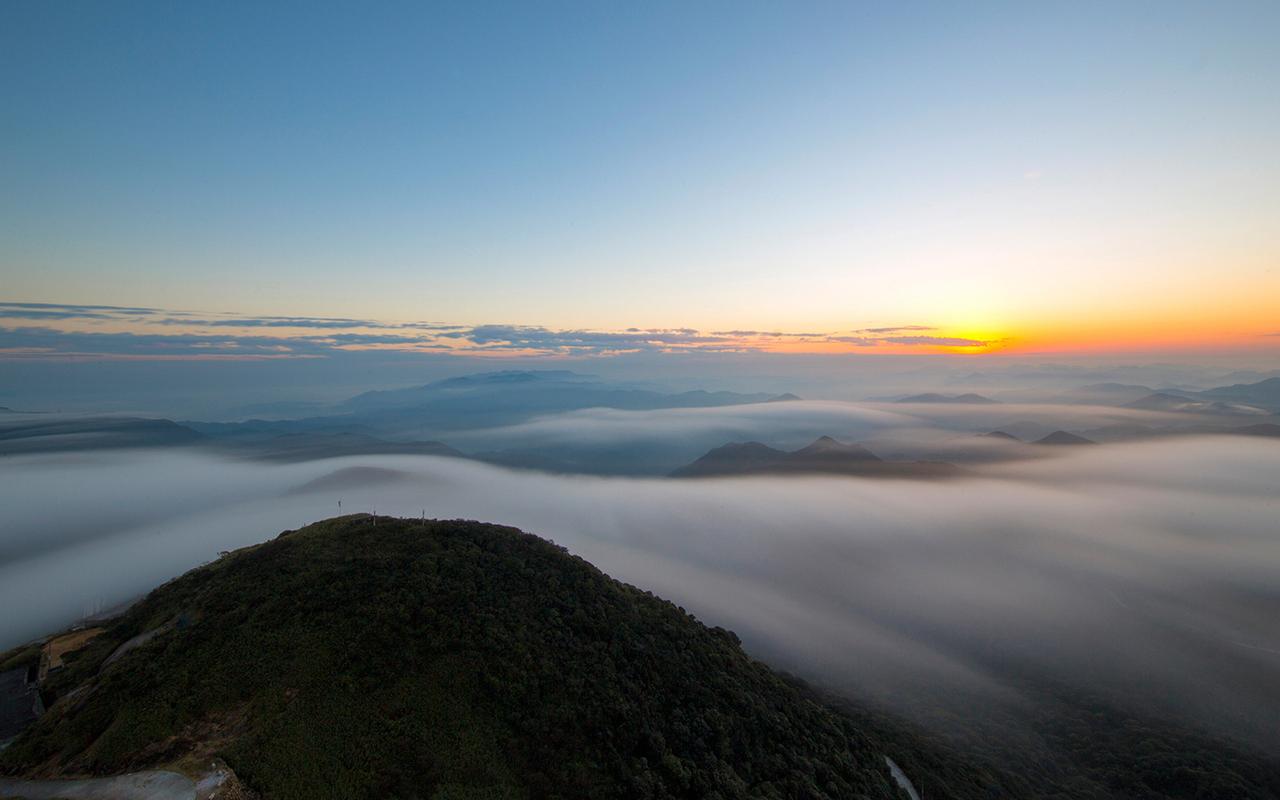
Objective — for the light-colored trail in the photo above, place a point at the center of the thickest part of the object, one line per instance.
(150, 785)
(901, 778)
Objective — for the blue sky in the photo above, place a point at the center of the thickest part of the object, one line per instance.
(979, 168)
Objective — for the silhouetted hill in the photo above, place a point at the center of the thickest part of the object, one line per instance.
(825, 450)
(932, 397)
(1064, 438)
(375, 657)
(824, 455)
(1001, 435)
(733, 458)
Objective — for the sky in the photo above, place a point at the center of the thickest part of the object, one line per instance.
(795, 178)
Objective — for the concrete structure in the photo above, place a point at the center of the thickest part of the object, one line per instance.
(20, 703)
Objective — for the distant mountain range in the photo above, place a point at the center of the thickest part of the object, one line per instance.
(1265, 393)
(1165, 401)
(1262, 397)
(1103, 394)
(410, 421)
(824, 455)
(472, 410)
(497, 397)
(474, 402)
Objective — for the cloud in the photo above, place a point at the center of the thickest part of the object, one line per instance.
(1138, 572)
(535, 337)
(937, 341)
(898, 329)
(58, 311)
(769, 334)
(50, 342)
(80, 331)
(74, 308)
(269, 322)
(792, 423)
(35, 313)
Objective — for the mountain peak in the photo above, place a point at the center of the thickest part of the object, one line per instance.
(826, 447)
(434, 707)
(1064, 438)
(1000, 435)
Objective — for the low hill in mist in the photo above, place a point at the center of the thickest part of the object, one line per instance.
(1009, 437)
(372, 657)
(824, 455)
(1063, 438)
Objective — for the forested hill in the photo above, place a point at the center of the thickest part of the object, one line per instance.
(376, 658)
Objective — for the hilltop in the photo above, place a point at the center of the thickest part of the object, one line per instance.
(1063, 438)
(369, 657)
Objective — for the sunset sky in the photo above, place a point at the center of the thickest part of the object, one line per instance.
(896, 177)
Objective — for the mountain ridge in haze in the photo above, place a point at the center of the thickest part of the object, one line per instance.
(43, 434)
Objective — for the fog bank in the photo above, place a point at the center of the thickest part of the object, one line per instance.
(1140, 570)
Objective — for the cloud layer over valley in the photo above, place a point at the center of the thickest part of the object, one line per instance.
(1140, 570)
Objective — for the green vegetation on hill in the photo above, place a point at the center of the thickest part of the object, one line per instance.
(379, 658)
(1068, 745)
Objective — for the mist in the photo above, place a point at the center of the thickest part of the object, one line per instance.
(1141, 571)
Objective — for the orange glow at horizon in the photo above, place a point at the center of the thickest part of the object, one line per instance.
(1222, 324)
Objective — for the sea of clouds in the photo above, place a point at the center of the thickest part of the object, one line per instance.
(1141, 570)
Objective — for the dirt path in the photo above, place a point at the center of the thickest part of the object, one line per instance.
(153, 785)
(901, 778)
(136, 641)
